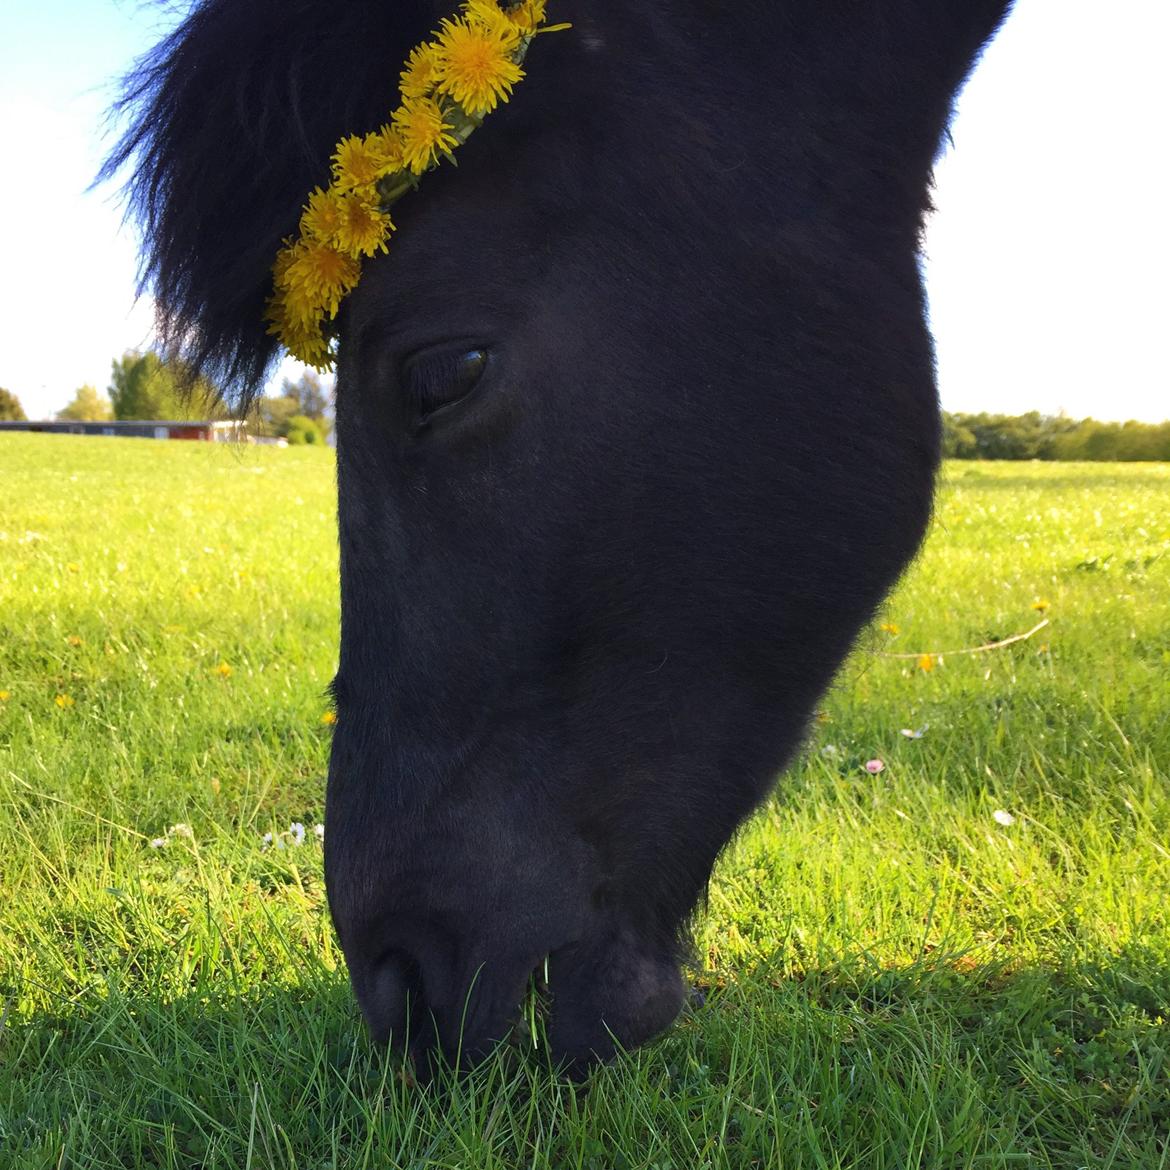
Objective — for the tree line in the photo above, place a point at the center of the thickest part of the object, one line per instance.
(147, 386)
(1044, 436)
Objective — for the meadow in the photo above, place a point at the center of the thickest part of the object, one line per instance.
(958, 960)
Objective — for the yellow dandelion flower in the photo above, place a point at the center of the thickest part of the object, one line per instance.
(328, 719)
(527, 16)
(322, 215)
(424, 132)
(926, 662)
(418, 78)
(364, 227)
(73, 640)
(489, 15)
(73, 567)
(223, 670)
(358, 162)
(63, 701)
(890, 628)
(475, 66)
(306, 341)
(309, 344)
(1041, 604)
(5, 696)
(388, 145)
(284, 259)
(315, 281)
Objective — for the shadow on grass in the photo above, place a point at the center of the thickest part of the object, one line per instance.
(944, 1063)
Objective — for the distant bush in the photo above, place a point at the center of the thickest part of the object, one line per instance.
(302, 429)
(87, 406)
(1040, 436)
(10, 408)
(147, 386)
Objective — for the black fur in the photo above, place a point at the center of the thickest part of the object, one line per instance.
(586, 611)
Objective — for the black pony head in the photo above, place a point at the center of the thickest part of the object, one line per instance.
(636, 425)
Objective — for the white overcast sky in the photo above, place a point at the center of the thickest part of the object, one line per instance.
(1048, 260)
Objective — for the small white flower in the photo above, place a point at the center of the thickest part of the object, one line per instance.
(319, 832)
(297, 832)
(266, 841)
(830, 749)
(1002, 817)
(158, 842)
(181, 830)
(916, 734)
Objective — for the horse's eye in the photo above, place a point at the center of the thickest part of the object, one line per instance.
(441, 377)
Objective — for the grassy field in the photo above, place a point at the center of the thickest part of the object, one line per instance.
(961, 960)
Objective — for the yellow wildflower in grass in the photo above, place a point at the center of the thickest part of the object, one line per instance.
(926, 662)
(1041, 604)
(890, 628)
(424, 131)
(63, 701)
(329, 719)
(475, 64)
(223, 670)
(5, 696)
(73, 640)
(418, 78)
(364, 227)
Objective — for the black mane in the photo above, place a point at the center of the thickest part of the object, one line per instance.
(240, 81)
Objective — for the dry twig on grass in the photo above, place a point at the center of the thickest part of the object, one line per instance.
(973, 649)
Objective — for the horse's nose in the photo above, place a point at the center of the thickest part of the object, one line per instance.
(431, 1011)
(389, 992)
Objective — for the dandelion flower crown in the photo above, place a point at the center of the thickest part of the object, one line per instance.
(447, 87)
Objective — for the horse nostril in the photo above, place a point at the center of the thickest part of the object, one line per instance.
(390, 994)
(613, 987)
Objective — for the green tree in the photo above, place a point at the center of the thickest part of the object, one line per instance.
(302, 429)
(309, 394)
(87, 406)
(271, 416)
(958, 442)
(144, 386)
(10, 408)
(1036, 436)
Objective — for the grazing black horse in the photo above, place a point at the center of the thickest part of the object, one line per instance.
(636, 426)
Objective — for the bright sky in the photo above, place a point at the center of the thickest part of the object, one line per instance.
(1048, 261)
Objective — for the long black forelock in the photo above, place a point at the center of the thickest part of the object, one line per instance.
(230, 122)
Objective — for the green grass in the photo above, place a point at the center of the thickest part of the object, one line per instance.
(895, 979)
